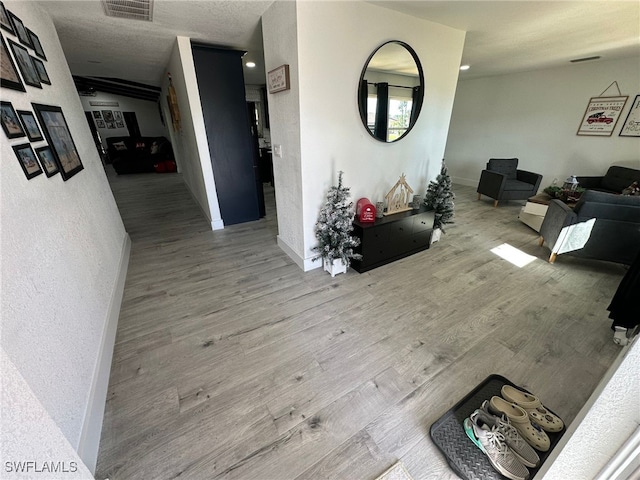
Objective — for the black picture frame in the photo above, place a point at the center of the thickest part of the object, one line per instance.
(47, 160)
(9, 76)
(30, 125)
(631, 125)
(28, 160)
(56, 131)
(100, 123)
(97, 115)
(27, 68)
(5, 21)
(37, 46)
(10, 121)
(42, 72)
(20, 29)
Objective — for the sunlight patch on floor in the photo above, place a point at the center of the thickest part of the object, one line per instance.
(513, 255)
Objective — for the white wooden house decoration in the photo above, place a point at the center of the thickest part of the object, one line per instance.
(399, 197)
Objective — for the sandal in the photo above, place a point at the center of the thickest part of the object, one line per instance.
(533, 406)
(534, 435)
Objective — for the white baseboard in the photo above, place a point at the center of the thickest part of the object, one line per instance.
(305, 264)
(467, 182)
(92, 423)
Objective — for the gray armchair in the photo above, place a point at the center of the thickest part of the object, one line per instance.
(603, 226)
(502, 180)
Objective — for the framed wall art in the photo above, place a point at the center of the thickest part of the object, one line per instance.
(100, 123)
(48, 162)
(278, 79)
(107, 115)
(42, 72)
(20, 29)
(9, 76)
(37, 46)
(30, 125)
(631, 127)
(57, 133)
(97, 115)
(601, 116)
(10, 123)
(5, 22)
(27, 159)
(27, 68)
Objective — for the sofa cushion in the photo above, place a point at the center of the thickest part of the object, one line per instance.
(619, 178)
(517, 185)
(506, 166)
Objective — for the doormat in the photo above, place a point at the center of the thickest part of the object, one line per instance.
(397, 472)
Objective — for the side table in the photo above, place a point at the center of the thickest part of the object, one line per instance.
(533, 212)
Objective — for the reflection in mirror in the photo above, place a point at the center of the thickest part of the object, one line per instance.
(391, 91)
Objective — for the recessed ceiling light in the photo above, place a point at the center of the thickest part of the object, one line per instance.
(250, 64)
(464, 67)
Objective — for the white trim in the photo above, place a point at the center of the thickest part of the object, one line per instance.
(305, 264)
(92, 422)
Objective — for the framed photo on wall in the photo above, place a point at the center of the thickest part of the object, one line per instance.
(48, 162)
(631, 127)
(10, 123)
(9, 76)
(28, 161)
(5, 22)
(27, 68)
(37, 46)
(42, 72)
(21, 30)
(100, 123)
(57, 133)
(278, 79)
(601, 116)
(30, 125)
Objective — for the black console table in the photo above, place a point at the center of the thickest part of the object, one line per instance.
(392, 237)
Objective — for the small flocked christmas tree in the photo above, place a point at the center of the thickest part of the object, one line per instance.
(334, 226)
(440, 197)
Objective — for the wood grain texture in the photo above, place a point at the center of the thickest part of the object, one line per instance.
(232, 363)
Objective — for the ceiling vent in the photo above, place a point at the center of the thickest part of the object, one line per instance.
(132, 9)
(585, 59)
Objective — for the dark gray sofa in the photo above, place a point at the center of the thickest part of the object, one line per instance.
(602, 226)
(614, 181)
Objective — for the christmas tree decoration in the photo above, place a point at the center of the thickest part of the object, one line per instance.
(333, 230)
(440, 197)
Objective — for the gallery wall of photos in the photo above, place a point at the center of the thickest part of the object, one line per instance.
(23, 67)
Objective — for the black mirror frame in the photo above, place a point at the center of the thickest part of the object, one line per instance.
(418, 106)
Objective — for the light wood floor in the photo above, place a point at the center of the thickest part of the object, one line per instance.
(231, 363)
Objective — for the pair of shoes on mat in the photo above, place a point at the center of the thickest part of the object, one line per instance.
(484, 431)
(534, 408)
(527, 414)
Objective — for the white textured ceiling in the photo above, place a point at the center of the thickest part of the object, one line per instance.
(502, 36)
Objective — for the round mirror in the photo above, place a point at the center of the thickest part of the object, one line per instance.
(390, 92)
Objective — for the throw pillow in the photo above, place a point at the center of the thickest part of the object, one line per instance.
(119, 146)
(633, 189)
(154, 148)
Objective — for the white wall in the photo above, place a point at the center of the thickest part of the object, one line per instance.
(535, 116)
(29, 434)
(190, 145)
(146, 111)
(325, 70)
(279, 36)
(611, 413)
(64, 248)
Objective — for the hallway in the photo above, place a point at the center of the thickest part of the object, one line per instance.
(230, 362)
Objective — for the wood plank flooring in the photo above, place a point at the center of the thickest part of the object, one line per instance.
(232, 363)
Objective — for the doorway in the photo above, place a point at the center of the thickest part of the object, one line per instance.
(97, 140)
(132, 124)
